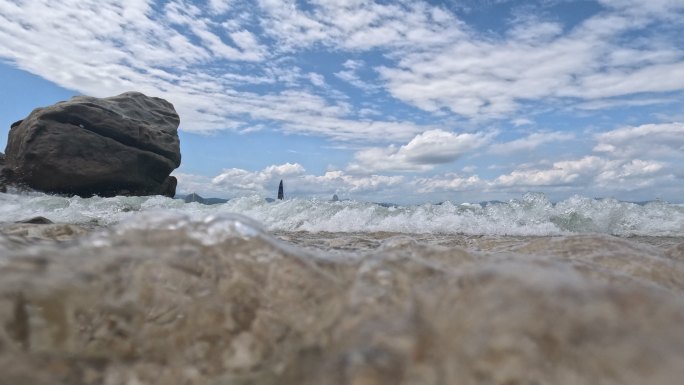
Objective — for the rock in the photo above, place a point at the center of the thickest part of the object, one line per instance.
(121, 145)
(168, 187)
(335, 198)
(3, 188)
(37, 221)
(281, 195)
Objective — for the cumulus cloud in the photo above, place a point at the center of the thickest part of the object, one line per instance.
(236, 182)
(656, 140)
(242, 182)
(590, 171)
(448, 183)
(591, 174)
(422, 153)
(530, 142)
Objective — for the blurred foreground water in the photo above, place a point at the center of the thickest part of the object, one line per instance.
(525, 292)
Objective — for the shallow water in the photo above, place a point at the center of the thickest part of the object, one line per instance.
(532, 214)
(120, 292)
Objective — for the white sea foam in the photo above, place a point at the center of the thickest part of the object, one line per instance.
(533, 214)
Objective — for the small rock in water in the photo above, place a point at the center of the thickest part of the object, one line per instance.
(37, 221)
(335, 198)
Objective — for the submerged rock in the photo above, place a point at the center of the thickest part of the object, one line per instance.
(37, 221)
(121, 145)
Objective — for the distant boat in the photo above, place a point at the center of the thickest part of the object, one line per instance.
(281, 195)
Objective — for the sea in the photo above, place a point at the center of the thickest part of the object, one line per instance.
(153, 290)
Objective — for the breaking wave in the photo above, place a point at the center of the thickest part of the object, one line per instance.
(532, 214)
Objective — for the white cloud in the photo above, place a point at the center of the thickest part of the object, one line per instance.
(449, 183)
(236, 182)
(589, 171)
(645, 8)
(157, 53)
(357, 25)
(197, 56)
(351, 76)
(530, 142)
(220, 6)
(482, 78)
(422, 153)
(187, 15)
(656, 140)
(603, 104)
(522, 122)
(317, 79)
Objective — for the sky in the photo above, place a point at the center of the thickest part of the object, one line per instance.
(405, 101)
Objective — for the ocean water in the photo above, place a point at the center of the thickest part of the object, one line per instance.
(150, 290)
(532, 214)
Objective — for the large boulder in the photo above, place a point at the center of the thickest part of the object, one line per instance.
(121, 145)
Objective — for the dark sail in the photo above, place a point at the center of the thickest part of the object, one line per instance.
(281, 196)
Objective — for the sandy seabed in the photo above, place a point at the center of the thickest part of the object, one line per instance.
(223, 302)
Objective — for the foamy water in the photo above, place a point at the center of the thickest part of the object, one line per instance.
(532, 214)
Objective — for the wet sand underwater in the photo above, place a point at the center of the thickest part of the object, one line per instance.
(176, 300)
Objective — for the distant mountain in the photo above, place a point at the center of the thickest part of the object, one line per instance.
(193, 197)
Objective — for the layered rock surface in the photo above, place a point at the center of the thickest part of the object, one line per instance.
(121, 145)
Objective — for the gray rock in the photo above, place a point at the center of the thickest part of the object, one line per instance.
(121, 145)
(37, 221)
(335, 198)
(3, 188)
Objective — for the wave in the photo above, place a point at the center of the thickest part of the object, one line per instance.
(532, 214)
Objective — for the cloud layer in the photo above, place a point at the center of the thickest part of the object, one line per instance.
(618, 171)
(232, 64)
(417, 90)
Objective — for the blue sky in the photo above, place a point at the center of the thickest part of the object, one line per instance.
(404, 101)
